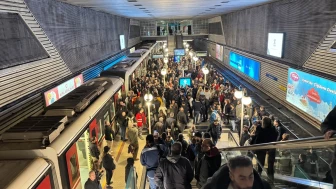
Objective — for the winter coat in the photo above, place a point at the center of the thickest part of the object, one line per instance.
(244, 138)
(150, 158)
(280, 131)
(141, 119)
(108, 162)
(215, 131)
(209, 164)
(174, 172)
(221, 179)
(109, 134)
(89, 184)
(133, 135)
(182, 120)
(197, 105)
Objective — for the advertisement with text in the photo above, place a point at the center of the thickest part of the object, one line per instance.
(61, 90)
(312, 94)
(219, 52)
(245, 65)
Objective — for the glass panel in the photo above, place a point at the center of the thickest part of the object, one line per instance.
(308, 166)
(112, 109)
(84, 157)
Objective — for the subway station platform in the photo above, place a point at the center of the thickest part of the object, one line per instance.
(120, 155)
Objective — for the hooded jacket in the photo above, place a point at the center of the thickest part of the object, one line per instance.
(174, 172)
(208, 165)
(221, 180)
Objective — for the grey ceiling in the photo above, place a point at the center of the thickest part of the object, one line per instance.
(167, 9)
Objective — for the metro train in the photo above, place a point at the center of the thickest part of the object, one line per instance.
(60, 136)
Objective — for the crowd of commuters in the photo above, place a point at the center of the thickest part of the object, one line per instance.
(173, 161)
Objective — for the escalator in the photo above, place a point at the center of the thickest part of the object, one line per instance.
(289, 173)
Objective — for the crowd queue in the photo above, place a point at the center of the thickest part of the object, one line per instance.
(173, 161)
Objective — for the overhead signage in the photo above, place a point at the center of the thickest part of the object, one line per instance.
(58, 92)
(271, 77)
(312, 94)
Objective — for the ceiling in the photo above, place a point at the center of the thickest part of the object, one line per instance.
(167, 9)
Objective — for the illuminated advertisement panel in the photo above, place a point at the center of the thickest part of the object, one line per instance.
(219, 52)
(245, 65)
(312, 94)
(58, 92)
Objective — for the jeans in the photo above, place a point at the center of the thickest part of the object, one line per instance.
(233, 124)
(123, 133)
(215, 140)
(196, 116)
(152, 184)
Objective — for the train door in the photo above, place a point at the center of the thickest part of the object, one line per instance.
(84, 157)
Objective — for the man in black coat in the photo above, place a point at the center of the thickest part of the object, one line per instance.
(279, 129)
(91, 183)
(237, 174)
(209, 164)
(265, 133)
(174, 172)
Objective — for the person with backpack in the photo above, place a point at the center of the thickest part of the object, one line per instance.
(109, 166)
(215, 130)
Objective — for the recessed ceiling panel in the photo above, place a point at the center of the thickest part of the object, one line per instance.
(167, 9)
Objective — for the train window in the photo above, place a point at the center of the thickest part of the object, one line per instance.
(101, 128)
(112, 110)
(72, 166)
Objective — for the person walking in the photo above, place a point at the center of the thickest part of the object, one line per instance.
(209, 163)
(109, 166)
(215, 130)
(132, 135)
(109, 134)
(150, 157)
(141, 121)
(174, 172)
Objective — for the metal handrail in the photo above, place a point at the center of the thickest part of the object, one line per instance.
(290, 144)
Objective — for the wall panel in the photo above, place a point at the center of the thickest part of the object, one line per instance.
(16, 83)
(82, 36)
(305, 23)
(323, 60)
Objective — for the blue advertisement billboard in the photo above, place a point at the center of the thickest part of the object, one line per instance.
(312, 94)
(245, 65)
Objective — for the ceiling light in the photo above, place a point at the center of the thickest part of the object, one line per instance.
(225, 1)
(137, 5)
(132, 0)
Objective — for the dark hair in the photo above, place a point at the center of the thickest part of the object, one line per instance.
(266, 122)
(239, 161)
(150, 138)
(163, 136)
(206, 135)
(176, 148)
(180, 137)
